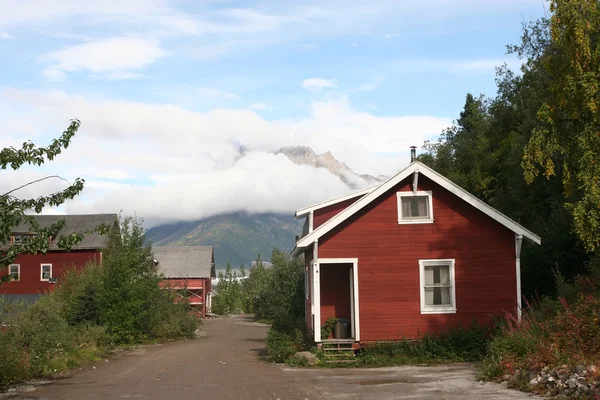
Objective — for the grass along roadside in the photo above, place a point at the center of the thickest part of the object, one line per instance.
(458, 344)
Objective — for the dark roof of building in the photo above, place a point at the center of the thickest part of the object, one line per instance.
(75, 224)
(185, 261)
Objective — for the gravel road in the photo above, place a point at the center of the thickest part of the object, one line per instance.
(224, 363)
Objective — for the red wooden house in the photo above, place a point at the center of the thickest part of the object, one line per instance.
(33, 275)
(416, 253)
(188, 270)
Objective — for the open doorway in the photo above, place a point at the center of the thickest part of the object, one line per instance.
(338, 289)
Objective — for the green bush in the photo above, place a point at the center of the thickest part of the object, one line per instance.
(278, 294)
(282, 299)
(78, 295)
(455, 345)
(37, 340)
(132, 306)
(283, 344)
(280, 346)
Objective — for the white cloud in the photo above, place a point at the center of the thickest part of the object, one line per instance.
(164, 162)
(260, 107)
(157, 17)
(211, 92)
(372, 85)
(115, 57)
(457, 66)
(215, 29)
(318, 84)
(6, 35)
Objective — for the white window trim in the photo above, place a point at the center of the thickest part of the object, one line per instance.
(438, 309)
(18, 272)
(42, 272)
(427, 193)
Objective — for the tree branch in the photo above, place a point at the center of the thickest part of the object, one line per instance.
(32, 182)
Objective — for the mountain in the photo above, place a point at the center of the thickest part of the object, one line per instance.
(306, 156)
(237, 237)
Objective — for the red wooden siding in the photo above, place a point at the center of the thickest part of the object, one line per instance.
(335, 291)
(388, 269)
(322, 215)
(198, 288)
(30, 272)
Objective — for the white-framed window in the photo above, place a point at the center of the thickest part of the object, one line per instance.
(438, 287)
(46, 272)
(14, 270)
(415, 208)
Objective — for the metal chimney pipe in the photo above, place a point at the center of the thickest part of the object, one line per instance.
(413, 153)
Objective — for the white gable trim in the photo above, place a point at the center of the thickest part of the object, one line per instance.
(306, 210)
(400, 176)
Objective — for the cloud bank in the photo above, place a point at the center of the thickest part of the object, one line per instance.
(167, 163)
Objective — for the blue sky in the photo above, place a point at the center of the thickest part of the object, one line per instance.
(185, 83)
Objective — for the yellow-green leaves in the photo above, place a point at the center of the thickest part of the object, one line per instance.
(568, 122)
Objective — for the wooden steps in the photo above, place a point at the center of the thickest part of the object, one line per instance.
(335, 352)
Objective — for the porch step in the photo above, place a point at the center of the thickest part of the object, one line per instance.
(328, 361)
(335, 352)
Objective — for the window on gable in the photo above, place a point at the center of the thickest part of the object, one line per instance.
(18, 239)
(46, 272)
(414, 208)
(14, 272)
(437, 286)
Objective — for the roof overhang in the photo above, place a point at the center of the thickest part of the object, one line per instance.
(306, 210)
(444, 182)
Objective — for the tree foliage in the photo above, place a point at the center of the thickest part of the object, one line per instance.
(275, 294)
(229, 294)
(495, 147)
(15, 211)
(567, 132)
(130, 301)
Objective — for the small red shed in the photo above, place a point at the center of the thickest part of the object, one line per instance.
(35, 274)
(188, 270)
(416, 253)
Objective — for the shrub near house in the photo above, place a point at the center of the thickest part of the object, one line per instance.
(556, 348)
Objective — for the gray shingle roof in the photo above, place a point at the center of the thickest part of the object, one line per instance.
(185, 261)
(75, 224)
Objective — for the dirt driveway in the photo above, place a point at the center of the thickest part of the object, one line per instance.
(225, 364)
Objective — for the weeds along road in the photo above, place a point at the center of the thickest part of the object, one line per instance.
(225, 364)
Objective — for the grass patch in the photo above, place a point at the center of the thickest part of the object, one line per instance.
(454, 345)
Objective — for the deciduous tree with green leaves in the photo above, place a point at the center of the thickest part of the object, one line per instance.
(567, 134)
(484, 151)
(15, 211)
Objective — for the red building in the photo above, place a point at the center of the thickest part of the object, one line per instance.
(188, 270)
(33, 275)
(416, 253)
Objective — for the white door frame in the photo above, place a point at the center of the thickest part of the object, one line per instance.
(354, 303)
